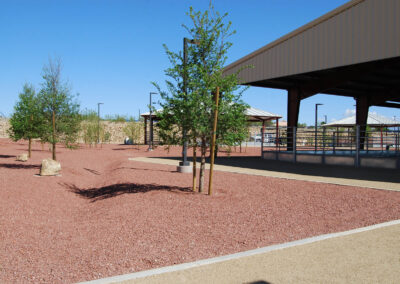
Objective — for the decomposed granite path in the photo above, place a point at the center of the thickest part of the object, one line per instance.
(366, 255)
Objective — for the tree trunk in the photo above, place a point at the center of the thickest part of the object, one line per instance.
(29, 147)
(194, 165)
(203, 164)
(54, 136)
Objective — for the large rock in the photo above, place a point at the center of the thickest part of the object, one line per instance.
(50, 168)
(22, 157)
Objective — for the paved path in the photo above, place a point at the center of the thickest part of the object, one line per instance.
(366, 255)
(276, 174)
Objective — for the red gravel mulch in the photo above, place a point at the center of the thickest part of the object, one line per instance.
(107, 215)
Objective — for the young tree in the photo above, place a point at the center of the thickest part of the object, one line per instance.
(60, 109)
(193, 109)
(133, 130)
(27, 121)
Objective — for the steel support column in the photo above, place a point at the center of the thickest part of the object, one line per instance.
(362, 107)
(262, 137)
(145, 131)
(292, 114)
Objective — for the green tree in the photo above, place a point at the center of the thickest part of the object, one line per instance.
(192, 109)
(26, 122)
(59, 108)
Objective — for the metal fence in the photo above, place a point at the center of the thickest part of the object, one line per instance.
(359, 139)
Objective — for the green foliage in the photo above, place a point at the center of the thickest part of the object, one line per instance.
(191, 106)
(89, 115)
(118, 118)
(134, 131)
(27, 121)
(193, 110)
(55, 100)
(92, 132)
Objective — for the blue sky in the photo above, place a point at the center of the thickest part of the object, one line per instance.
(112, 50)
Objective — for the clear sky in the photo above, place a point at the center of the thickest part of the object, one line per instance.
(112, 50)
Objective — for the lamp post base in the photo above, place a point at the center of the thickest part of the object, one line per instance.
(185, 169)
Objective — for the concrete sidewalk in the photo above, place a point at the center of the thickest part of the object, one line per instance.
(366, 255)
(276, 174)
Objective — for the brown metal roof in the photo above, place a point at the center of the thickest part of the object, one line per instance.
(360, 31)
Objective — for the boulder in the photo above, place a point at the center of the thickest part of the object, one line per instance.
(50, 168)
(22, 157)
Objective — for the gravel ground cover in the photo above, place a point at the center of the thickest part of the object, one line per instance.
(107, 215)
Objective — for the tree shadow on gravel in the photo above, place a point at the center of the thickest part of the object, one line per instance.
(35, 150)
(7, 156)
(139, 169)
(92, 171)
(132, 148)
(19, 166)
(109, 191)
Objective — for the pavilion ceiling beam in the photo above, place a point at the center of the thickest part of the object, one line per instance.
(338, 78)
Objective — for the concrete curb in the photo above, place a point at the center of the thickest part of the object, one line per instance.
(184, 266)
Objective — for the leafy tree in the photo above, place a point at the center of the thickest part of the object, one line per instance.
(59, 108)
(26, 122)
(192, 109)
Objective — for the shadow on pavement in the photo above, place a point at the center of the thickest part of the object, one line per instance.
(258, 163)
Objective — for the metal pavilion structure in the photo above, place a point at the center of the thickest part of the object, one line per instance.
(352, 51)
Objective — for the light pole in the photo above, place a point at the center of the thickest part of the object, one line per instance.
(98, 122)
(316, 124)
(184, 161)
(151, 122)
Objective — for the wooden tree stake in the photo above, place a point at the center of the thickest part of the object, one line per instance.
(214, 133)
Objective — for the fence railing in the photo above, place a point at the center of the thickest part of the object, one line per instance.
(355, 140)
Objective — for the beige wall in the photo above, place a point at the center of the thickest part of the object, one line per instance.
(114, 128)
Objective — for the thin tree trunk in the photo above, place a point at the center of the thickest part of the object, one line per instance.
(29, 147)
(203, 164)
(54, 136)
(194, 166)
(30, 140)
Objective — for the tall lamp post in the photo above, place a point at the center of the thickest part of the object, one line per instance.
(151, 122)
(184, 164)
(316, 125)
(98, 122)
